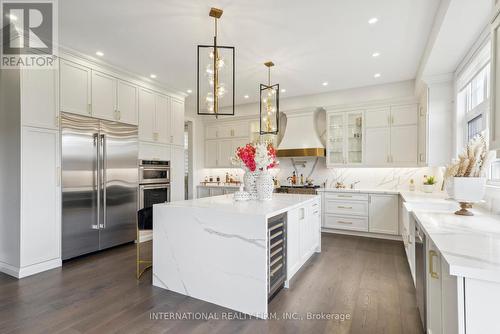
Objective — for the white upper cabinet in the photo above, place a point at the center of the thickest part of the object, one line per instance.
(75, 95)
(240, 130)
(211, 153)
(211, 132)
(177, 122)
(404, 145)
(127, 102)
(147, 115)
(39, 98)
(377, 146)
(404, 115)
(163, 119)
(494, 134)
(103, 96)
(345, 138)
(377, 117)
(383, 214)
(225, 152)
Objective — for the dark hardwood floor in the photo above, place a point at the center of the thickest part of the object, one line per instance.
(365, 280)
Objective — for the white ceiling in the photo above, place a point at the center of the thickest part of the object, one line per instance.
(309, 41)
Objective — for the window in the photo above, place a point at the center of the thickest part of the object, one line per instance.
(473, 102)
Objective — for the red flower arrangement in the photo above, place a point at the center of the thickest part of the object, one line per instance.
(256, 157)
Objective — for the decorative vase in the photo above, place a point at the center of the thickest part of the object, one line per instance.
(428, 188)
(250, 181)
(466, 190)
(265, 186)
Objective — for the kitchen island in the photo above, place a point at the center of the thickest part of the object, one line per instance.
(234, 254)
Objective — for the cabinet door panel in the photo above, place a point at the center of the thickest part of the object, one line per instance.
(146, 115)
(404, 145)
(177, 174)
(377, 142)
(177, 122)
(336, 139)
(152, 151)
(383, 214)
(127, 102)
(74, 88)
(241, 130)
(225, 153)
(163, 118)
(376, 118)
(434, 290)
(211, 155)
(404, 115)
(103, 96)
(40, 196)
(292, 239)
(38, 94)
(211, 132)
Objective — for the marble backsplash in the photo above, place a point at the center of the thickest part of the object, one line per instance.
(379, 178)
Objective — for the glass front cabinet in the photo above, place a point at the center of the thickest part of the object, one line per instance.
(345, 138)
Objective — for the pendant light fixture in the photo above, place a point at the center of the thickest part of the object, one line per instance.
(269, 105)
(215, 76)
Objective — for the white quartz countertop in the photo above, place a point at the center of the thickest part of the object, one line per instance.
(360, 190)
(221, 185)
(470, 245)
(280, 203)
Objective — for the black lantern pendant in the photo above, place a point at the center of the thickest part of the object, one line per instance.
(269, 105)
(215, 76)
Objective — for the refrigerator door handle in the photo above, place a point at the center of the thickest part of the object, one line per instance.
(97, 179)
(104, 167)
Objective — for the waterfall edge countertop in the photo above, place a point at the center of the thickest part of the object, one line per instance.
(216, 249)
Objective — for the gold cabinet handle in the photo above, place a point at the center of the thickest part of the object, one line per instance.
(343, 222)
(89, 108)
(344, 207)
(433, 274)
(346, 196)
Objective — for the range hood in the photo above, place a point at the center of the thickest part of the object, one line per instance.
(302, 134)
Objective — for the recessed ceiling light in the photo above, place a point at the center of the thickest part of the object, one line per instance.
(189, 91)
(373, 20)
(246, 96)
(377, 75)
(12, 17)
(283, 90)
(325, 83)
(375, 54)
(152, 76)
(99, 53)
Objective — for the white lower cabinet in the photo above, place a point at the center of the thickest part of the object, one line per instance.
(458, 305)
(362, 212)
(303, 233)
(383, 214)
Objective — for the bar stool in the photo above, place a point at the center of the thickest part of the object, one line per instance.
(144, 224)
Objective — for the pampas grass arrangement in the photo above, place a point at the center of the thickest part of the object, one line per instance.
(472, 162)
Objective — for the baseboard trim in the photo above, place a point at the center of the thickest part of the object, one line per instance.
(363, 234)
(21, 272)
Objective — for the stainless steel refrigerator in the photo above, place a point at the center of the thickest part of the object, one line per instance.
(99, 184)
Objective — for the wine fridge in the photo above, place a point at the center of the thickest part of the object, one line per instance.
(276, 259)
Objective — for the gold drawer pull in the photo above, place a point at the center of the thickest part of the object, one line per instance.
(344, 207)
(343, 222)
(433, 274)
(345, 196)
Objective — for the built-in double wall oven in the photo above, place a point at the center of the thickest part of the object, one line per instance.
(154, 182)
